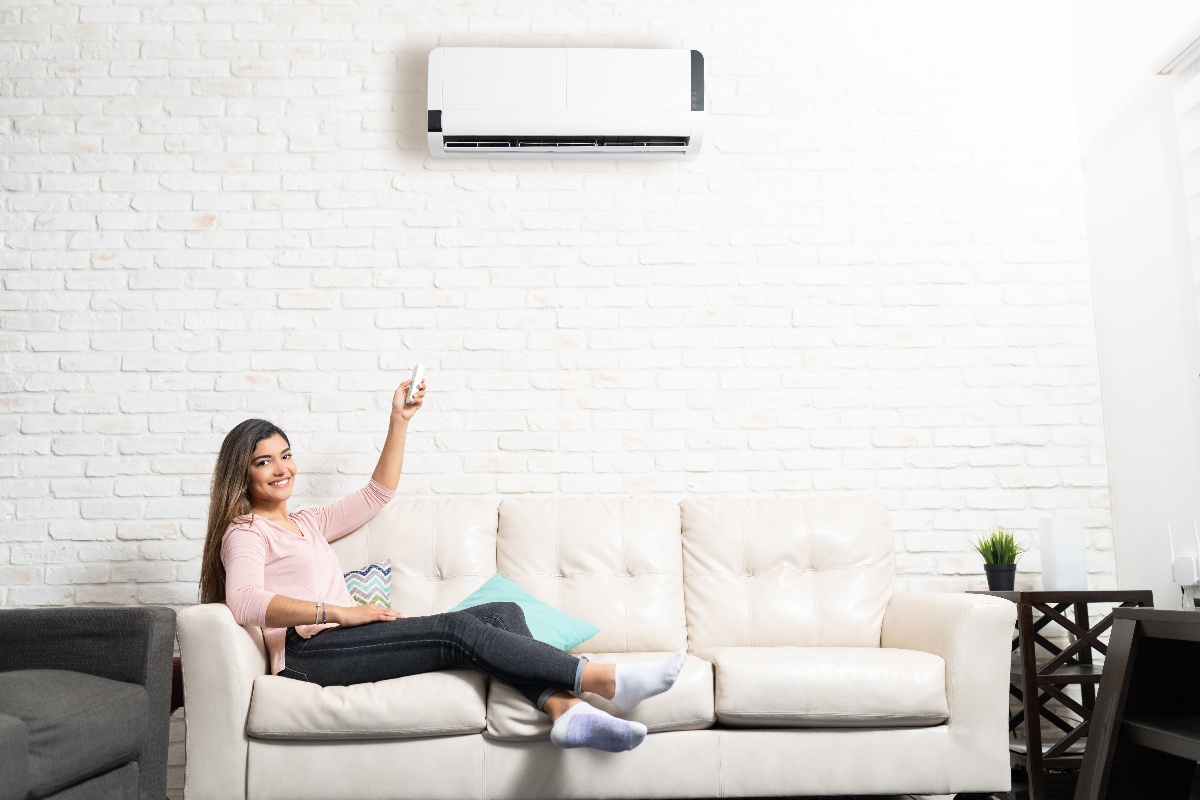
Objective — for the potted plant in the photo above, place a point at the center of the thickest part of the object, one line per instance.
(1000, 551)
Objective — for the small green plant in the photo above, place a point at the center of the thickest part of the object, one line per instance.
(999, 547)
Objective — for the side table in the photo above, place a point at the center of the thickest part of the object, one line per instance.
(1041, 677)
(1147, 739)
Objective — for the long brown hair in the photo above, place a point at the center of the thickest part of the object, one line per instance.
(229, 499)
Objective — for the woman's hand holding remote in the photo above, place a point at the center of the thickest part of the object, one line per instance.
(400, 406)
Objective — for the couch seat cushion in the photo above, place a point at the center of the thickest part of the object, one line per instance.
(447, 703)
(78, 725)
(687, 706)
(14, 753)
(828, 687)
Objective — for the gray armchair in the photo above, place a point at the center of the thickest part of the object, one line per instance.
(85, 698)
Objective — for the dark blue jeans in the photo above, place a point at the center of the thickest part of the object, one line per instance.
(492, 638)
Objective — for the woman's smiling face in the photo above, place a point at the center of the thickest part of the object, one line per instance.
(272, 471)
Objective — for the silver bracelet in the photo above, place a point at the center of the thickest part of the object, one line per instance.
(317, 614)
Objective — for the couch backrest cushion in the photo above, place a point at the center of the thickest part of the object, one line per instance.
(615, 562)
(441, 550)
(762, 572)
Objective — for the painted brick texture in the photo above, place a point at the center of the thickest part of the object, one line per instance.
(873, 280)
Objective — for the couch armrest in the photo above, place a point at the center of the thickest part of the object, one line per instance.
(220, 661)
(129, 644)
(973, 634)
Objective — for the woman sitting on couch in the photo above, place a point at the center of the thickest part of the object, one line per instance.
(276, 570)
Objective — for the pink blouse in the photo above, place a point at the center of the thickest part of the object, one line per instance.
(263, 559)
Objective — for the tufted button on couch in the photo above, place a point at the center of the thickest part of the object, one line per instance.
(807, 673)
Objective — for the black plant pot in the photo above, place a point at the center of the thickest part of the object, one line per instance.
(1001, 577)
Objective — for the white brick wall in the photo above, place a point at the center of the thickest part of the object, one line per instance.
(873, 279)
(1187, 108)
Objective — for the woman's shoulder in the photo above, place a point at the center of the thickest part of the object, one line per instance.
(243, 521)
(242, 527)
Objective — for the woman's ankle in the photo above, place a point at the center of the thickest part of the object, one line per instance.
(557, 704)
(600, 679)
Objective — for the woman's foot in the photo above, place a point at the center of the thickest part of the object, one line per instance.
(583, 725)
(636, 682)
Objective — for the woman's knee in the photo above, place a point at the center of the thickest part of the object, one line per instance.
(509, 607)
(511, 612)
(507, 613)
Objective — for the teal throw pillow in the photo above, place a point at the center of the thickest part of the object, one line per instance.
(546, 623)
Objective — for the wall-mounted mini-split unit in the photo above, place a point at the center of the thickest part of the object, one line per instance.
(499, 102)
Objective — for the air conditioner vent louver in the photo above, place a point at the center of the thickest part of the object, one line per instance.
(648, 142)
(565, 103)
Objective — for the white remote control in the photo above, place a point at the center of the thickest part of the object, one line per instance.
(418, 374)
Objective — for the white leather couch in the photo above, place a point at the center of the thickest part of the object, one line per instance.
(807, 673)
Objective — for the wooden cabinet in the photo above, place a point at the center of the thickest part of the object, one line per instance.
(1145, 731)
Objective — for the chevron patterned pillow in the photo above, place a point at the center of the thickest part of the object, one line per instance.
(371, 584)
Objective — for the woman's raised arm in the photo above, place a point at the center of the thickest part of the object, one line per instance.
(387, 471)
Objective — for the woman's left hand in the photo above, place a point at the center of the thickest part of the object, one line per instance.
(406, 410)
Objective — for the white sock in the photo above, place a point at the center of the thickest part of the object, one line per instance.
(584, 725)
(636, 682)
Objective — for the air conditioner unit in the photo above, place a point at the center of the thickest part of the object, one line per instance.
(498, 102)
